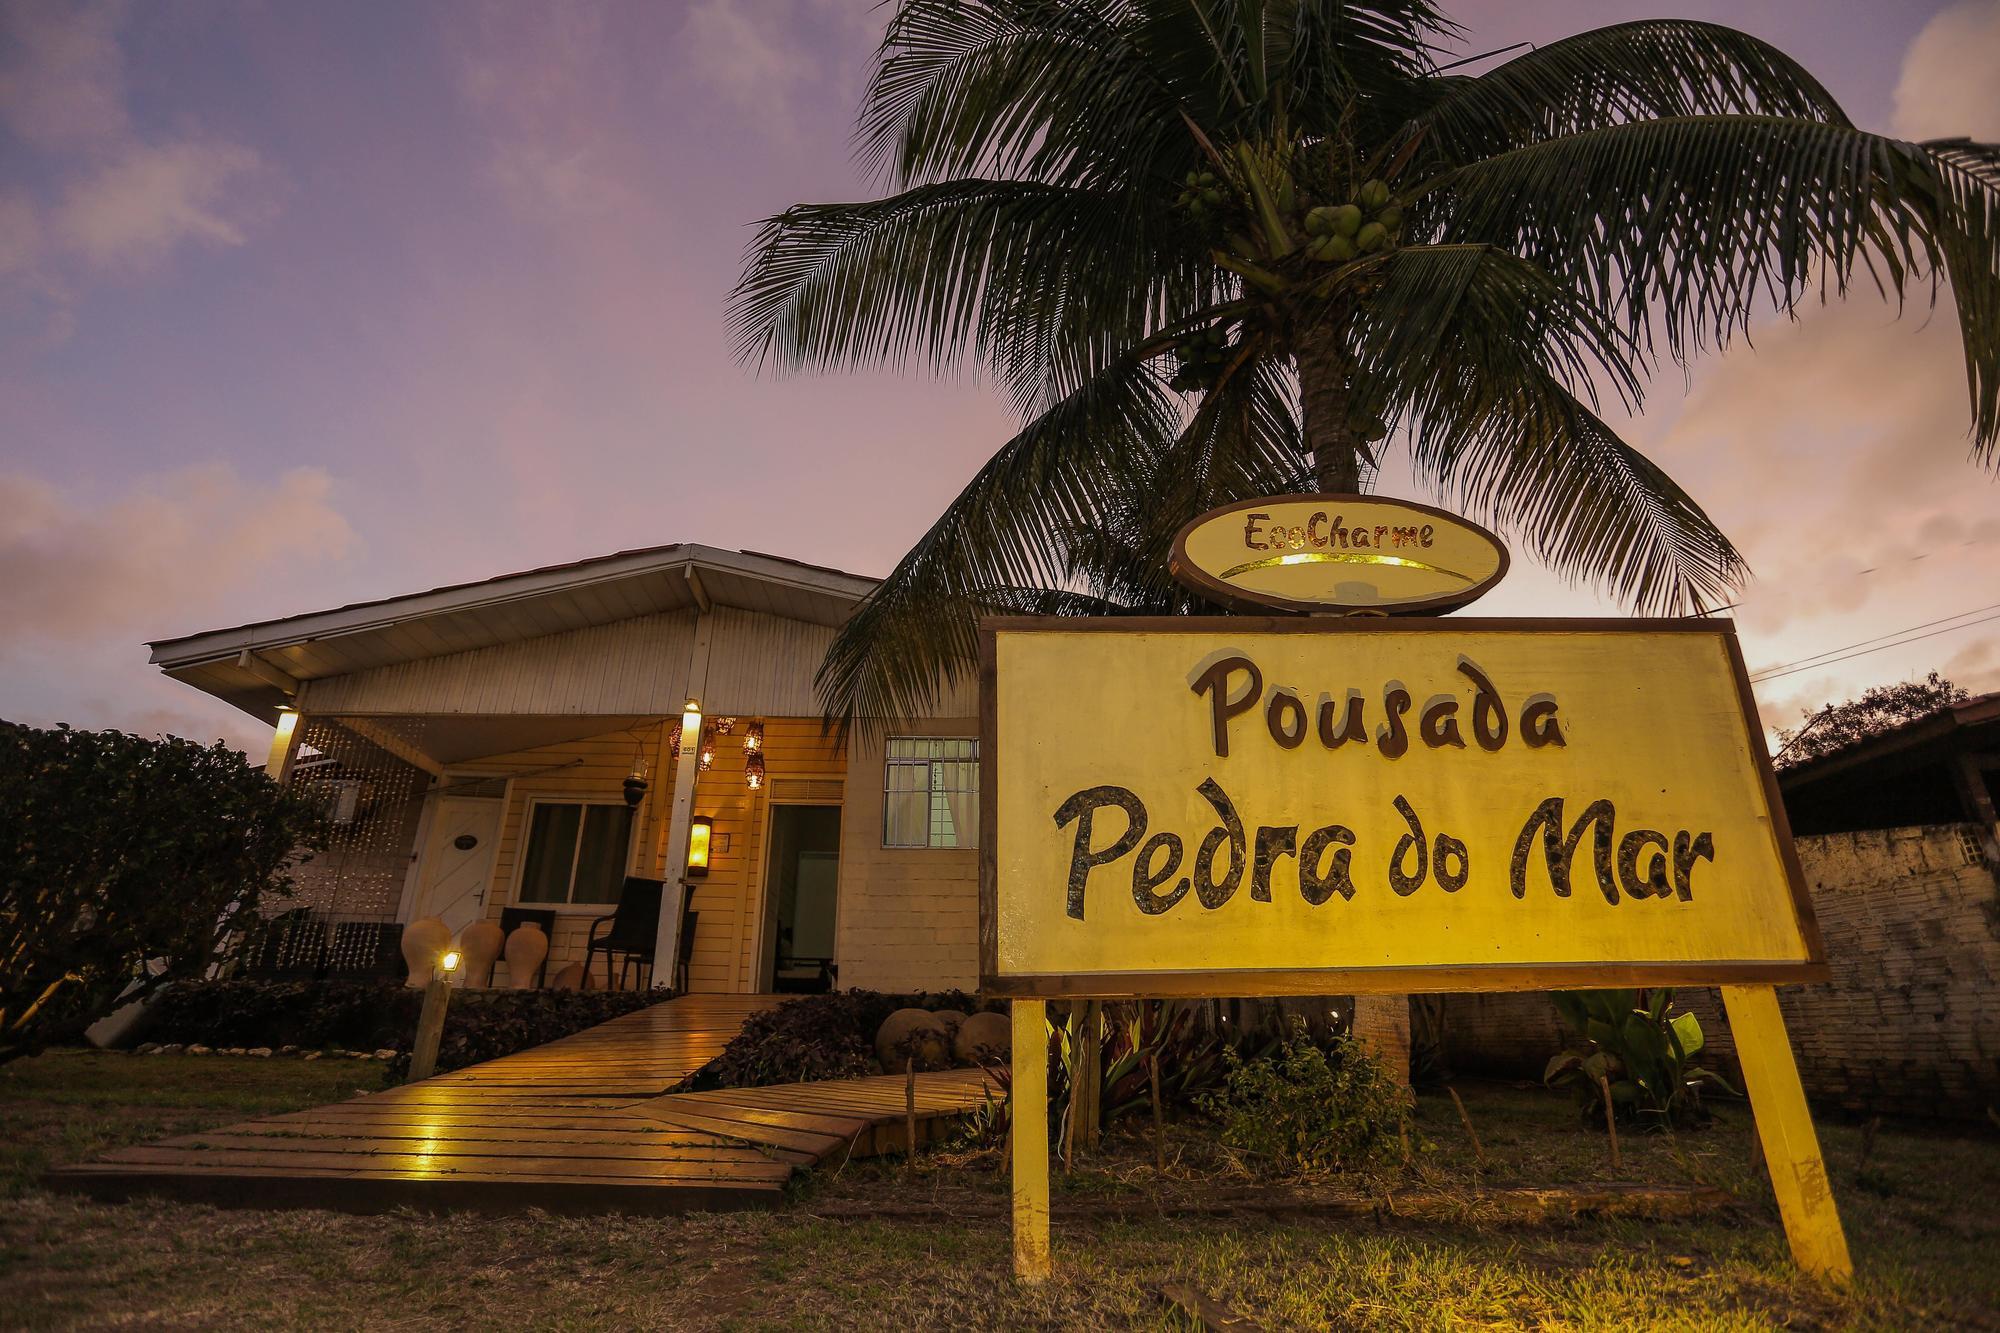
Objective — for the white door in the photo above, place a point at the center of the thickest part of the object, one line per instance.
(457, 868)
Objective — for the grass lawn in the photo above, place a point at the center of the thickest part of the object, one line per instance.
(1921, 1217)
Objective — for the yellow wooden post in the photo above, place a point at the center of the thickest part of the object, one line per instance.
(1030, 1117)
(1791, 1149)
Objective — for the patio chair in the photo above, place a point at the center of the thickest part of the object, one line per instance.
(512, 918)
(629, 932)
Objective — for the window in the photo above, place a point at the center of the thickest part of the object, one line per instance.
(576, 853)
(931, 792)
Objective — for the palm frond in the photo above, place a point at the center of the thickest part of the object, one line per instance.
(1484, 358)
(1089, 494)
(1692, 225)
(1629, 71)
(1026, 88)
(1040, 284)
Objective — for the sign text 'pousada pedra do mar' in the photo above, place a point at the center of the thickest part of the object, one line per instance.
(1356, 802)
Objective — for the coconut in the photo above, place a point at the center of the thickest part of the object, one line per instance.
(1340, 249)
(1390, 217)
(1373, 194)
(1372, 237)
(1346, 220)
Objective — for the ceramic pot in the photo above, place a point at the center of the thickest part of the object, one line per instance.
(423, 940)
(526, 948)
(569, 978)
(479, 944)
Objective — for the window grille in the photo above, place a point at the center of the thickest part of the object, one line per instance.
(931, 792)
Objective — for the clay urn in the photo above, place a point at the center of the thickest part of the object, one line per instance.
(423, 940)
(479, 945)
(569, 978)
(526, 948)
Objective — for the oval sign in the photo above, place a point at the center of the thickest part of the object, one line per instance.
(1331, 552)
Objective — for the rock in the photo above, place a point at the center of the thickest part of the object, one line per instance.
(912, 1032)
(386, 1053)
(146, 1048)
(315, 1055)
(261, 1052)
(360, 1055)
(983, 1037)
(171, 1048)
(199, 1049)
(288, 1050)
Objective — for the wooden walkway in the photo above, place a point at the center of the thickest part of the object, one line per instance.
(581, 1125)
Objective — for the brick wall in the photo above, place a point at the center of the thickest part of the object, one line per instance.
(1909, 1024)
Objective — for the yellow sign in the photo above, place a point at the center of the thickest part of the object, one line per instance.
(1339, 552)
(1244, 806)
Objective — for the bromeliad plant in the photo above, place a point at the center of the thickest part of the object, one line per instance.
(1211, 249)
(1638, 1048)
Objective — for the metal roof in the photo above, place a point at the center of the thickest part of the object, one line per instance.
(257, 666)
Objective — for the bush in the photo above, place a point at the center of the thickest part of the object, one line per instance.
(357, 1015)
(123, 862)
(818, 1037)
(1635, 1045)
(1307, 1108)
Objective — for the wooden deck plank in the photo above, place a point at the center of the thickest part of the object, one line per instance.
(584, 1124)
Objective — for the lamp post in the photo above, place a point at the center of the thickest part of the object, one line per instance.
(430, 1023)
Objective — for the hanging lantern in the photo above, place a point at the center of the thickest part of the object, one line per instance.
(635, 780)
(707, 749)
(753, 738)
(674, 739)
(753, 770)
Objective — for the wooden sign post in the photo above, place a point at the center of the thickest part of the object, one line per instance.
(1266, 806)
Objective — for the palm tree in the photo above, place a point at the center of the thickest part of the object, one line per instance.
(1211, 246)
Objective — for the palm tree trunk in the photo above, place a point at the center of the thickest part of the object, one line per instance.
(1381, 1022)
(1337, 451)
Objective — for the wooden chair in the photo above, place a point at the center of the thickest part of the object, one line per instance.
(630, 931)
(511, 917)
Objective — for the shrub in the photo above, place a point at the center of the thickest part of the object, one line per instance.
(1307, 1108)
(357, 1015)
(123, 862)
(1639, 1048)
(817, 1037)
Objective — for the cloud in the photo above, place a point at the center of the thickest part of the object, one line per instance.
(172, 551)
(104, 197)
(541, 82)
(135, 209)
(63, 85)
(1948, 86)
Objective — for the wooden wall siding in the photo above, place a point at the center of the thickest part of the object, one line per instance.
(758, 664)
(762, 665)
(631, 666)
(909, 916)
(592, 769)
(729, 898)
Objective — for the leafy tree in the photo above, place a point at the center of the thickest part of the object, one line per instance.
(1215, 246)
(117, 851)
(1880, 708)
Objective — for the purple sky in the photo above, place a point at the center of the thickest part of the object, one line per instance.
(302, 304)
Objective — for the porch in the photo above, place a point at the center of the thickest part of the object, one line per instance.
(583, 1125)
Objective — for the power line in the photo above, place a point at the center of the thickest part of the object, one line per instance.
(1916, 638)
(1863, 643)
